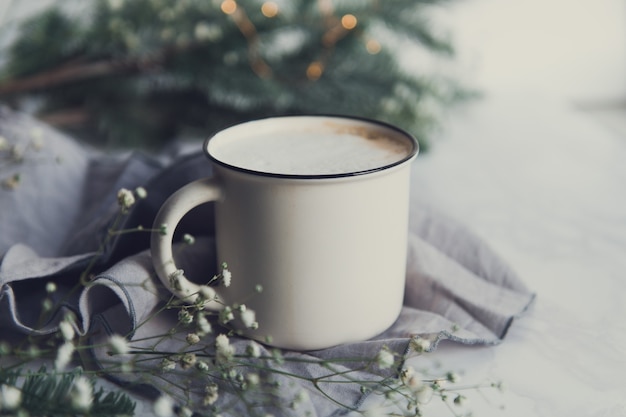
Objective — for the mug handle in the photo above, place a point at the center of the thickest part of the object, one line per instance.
(171, 212)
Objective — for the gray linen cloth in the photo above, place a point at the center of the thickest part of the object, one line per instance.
(53, 222)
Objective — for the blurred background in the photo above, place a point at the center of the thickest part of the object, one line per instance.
(140, 73)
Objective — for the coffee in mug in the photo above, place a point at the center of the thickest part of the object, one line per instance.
(315, 210)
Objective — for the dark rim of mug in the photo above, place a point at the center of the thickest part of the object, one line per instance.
(414, 149)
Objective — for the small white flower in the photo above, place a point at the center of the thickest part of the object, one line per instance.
(4, 143)
(81, 394)
(460, 400)
(192, 338)
(411, 379)
(385, 358)
(118, 345)
(226, 315)
(419, 344)
(141, 192)
(51, 287)
(204, 327)
(189, 239)
(223, 350)
(185, 317)
(424, 394)
(163, 407)
(185, 412)
(453, 377)
(167, 365)
(64, 356)
(376, 411)
(211, 394)
(226, 277)
(202, 366)
(67, 330)
(253, 379)
(253, 349)
(188, 360)
(248, 317)
(10, 397)
(125, 199)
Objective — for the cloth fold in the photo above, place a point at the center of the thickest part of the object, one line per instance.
(54, 222)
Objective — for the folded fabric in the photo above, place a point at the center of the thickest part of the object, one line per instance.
(53, 223)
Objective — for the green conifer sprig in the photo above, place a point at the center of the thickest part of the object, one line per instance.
(137, 73)
(46, 393)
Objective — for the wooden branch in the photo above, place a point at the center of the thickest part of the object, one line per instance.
(62, 75)
(75, 72)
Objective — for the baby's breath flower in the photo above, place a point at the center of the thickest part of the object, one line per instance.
(185, 317)
(167, 365)
(453, 377)
(253, 349)
(192, 338)
(33, 352)
(210, 394)
(174, 279)
(226, 275)
(67, 330)
(204, 327)
(188, 360)
(64, 356)
(125, 199)
(81, 394)
(141, 192)
(189, 239)
(10, 397)
(202, 366)
(47, 304)
(163, 407)
(248, 317)
(460, 400)
(184, 412)
(411, 379)
(223, 350)
(253, 379)
(226, 315)
(424, 394)
(51, 287)
(419, 344)
(118, 345)
(385, 358)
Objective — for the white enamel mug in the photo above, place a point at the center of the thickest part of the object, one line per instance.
(325, 237)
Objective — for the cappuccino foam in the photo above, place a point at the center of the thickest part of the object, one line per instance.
(340, 150)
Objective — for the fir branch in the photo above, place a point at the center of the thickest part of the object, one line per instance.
(46, 393)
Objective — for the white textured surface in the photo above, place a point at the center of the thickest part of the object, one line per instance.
(545, 185)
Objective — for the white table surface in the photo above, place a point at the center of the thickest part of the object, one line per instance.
(545, 185)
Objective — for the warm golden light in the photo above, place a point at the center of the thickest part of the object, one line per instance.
(373, 46)
(348, 21)
(269, 9)
(314, 71)
(229, 6)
